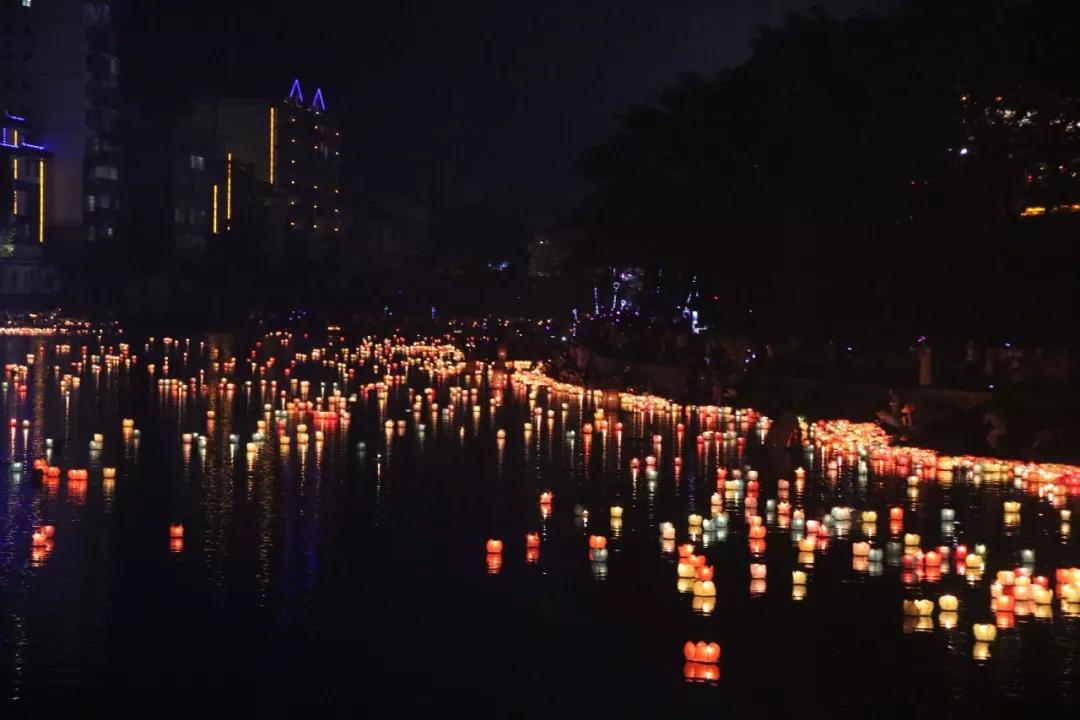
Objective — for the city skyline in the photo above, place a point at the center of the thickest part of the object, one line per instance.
(494, 99)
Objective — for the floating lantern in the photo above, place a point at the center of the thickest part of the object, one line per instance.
(984, 632)
(704, 588)
(948, 603)
(532, 540)
(494, 546)
(860, 549)
(616, 512)
(1012, 507)
(1041, 595)
(176, 530)
(798, 577)
(758, 571)
(918, 608)
(701, 652)
(597, 542)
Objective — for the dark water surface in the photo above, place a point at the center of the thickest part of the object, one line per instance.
(323, 578)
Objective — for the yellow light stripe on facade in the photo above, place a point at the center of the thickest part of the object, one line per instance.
(14, 189)
(272, 129)
(228, 188)
(41, 202)
(214, 215)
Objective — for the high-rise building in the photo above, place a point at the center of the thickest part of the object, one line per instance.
(58, 67)
(294, 145)
(24, 212)
(26, 164)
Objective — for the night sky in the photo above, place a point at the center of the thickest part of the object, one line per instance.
(492, 98)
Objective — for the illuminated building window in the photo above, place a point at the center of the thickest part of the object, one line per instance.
(228, 186)
(27, 3)
(91, 203)
(198, 162)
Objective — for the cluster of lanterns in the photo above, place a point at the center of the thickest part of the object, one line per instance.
(298, 414)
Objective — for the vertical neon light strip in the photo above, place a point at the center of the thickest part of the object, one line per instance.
(214, 216)
(228, 190)
(41, 203)
(14, 189)
(272, 130)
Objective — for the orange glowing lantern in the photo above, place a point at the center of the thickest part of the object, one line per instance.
(701, 652)
(176, 531)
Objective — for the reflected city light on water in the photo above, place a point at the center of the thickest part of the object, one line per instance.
(258, 461)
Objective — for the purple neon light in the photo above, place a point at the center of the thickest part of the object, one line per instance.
(318, 103)
(16, 118)
(32, 146)
(295, 91)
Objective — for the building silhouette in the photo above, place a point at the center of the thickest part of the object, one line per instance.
(58, 67)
